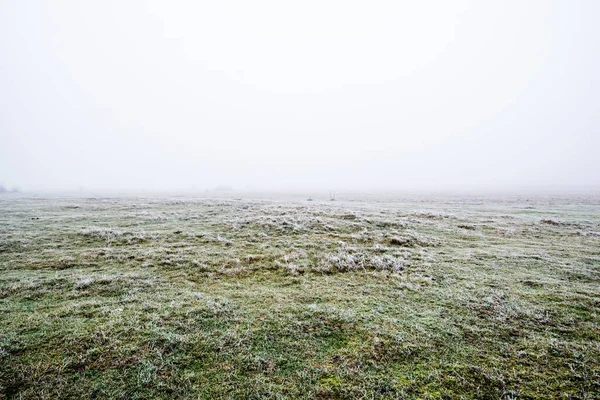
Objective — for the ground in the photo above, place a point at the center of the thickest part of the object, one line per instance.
(276, 297)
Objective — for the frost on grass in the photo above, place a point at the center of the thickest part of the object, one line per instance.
(152, 216)
(212, 304)
(127, 280)
(111, 234)
(409, 239)
(375, 297)
(343, 261)
(97, 232)
(13, 245)
(224, 240)
(83, 282)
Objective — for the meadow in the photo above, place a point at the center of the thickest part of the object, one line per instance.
(273, 297)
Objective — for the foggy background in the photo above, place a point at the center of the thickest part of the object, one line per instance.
(332, 95)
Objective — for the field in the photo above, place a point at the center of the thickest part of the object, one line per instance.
(276, 297)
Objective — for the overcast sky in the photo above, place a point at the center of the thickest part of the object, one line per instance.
(299, 94)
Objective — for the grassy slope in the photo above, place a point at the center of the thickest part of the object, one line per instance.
(217, 298)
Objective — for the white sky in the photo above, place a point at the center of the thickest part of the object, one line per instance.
(299, 94)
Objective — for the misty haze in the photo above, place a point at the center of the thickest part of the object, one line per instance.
(271, 199)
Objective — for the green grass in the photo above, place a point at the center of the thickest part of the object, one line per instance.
(417, 298)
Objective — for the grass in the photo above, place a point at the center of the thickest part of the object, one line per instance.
(416, 298)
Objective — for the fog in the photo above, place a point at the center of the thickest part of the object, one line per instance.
(279, 95)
